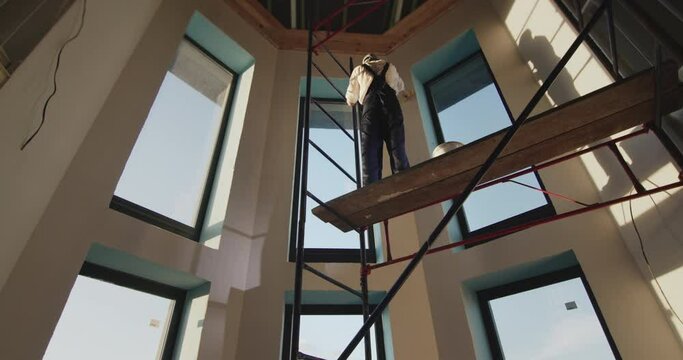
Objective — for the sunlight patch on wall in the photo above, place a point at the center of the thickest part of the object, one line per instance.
(543, 35)
(597, 172)
(670, 283)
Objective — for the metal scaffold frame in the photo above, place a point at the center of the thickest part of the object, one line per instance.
(301, 193)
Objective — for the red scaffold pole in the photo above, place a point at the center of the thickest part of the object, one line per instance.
(328, 19)
(550, 193)
(492, 235)
(361, 16)
(386, 235)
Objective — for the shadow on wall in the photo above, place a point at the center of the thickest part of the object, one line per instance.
(562, 90)
(655, 217)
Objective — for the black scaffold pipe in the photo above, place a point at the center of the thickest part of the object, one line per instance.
(458, 202)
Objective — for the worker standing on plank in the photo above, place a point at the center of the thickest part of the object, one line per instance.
(375, 84)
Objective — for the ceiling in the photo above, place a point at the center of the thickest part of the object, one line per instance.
(282, 22)
(292, 13)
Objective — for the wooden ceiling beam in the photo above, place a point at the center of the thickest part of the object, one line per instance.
(348, 43)
(425, 15)
(258, 17)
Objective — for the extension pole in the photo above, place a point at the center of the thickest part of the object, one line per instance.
(457, 204)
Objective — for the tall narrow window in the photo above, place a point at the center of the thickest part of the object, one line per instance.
(553, 316)
(167, 179)
(466, 106)
(329, 178)
(113, 315)
(327, 329)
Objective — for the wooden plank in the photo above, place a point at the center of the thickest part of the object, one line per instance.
(554, 122)
(593, 117)
(260, 18)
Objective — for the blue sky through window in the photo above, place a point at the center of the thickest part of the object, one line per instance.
(469, 117)
(110, 322)
(325, 180)
(535, 324)
(169, 164)
(326, 336)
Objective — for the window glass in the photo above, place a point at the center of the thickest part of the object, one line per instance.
(325, 180)
(502, 201)
(326, 330)
(469, 108)
(556, 321)
(635, 45)
(106, 321)
(168, 167)
(326, 336)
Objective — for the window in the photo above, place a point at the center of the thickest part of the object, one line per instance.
(168, 177)
(113, 315)
(553, 316)
(636, 49)
(327, 329)
(635, 45)
(466, 106)
(324, 242)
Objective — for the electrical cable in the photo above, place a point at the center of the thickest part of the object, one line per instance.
(647, 262)
(661, 214)
(54, 77)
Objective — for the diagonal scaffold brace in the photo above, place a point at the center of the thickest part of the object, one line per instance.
(460, 200)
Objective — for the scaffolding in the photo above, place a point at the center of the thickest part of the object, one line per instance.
(661, 98)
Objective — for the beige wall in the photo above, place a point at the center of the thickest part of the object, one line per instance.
(625, 299)
(548, 36)
(60, 189)
(55, 204)
(91, 64)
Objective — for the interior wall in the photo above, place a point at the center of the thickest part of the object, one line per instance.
(543, 35)
(56, 203)
(624, 297)
(90, 66)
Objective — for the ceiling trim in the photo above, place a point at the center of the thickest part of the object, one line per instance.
(348, 43)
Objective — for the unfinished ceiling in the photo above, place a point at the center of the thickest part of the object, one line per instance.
(292, 13)
(283, 22)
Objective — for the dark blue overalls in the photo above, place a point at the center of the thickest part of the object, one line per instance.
(382, 121)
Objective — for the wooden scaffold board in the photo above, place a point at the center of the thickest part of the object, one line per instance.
(590, 118)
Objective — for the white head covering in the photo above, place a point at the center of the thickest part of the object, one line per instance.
(374, 62)
(369, 58)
